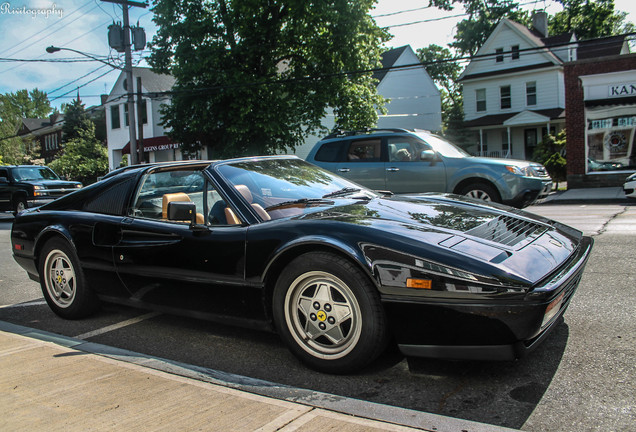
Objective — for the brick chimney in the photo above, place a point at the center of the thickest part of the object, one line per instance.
(540, 23)
(53, 118)
(103, 98)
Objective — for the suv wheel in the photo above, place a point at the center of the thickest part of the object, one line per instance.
(481, 191)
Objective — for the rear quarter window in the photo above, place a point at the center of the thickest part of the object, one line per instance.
(329, 152)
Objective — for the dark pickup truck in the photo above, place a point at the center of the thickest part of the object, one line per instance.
(23, 186)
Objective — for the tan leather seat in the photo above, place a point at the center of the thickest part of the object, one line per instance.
(247, 194)
(177, 197)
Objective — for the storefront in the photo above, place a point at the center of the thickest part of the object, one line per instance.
(601, 121)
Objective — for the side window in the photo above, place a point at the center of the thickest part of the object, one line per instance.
(405, 149)
(367, 150)
(4, 173)
(329, 152)
(159, 188)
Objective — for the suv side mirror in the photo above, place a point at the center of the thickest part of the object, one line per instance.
(4, 180)
(429, 156)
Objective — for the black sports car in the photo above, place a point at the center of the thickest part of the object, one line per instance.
(336, 269)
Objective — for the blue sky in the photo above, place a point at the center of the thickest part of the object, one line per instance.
(28, 27)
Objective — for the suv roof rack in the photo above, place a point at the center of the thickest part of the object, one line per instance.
(342, 133)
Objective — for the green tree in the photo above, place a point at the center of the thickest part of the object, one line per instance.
(83, 158)
(75, 118)
(14, 107)
(24, 104)
(255, 77)
(549, 152)
(589, 19)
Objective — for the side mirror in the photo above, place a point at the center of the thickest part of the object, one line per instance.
(4, 180)
(183, 211)
(429, 156)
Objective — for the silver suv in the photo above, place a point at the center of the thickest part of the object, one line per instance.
(404, 161)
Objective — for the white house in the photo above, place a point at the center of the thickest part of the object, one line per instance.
(157, 147)
(514, 91)
(414, 100)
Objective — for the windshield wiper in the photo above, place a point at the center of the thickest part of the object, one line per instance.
(341, 192)
(306, 202)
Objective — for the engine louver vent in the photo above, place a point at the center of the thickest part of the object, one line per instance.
(509, 231)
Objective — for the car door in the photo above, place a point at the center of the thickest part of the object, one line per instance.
(362, 163)
(408, 170)
(174, 263)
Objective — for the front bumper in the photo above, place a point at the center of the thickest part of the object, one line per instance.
(528, 196)
(487, 330)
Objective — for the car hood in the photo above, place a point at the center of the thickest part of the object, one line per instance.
(512, 245)
(56, 184)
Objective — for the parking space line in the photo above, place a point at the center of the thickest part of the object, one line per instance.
(117, 326)
(25, 304)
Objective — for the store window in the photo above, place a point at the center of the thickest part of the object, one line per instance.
(610, 142)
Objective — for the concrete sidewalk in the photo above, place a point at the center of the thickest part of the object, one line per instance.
(604, 195)
(50, 382)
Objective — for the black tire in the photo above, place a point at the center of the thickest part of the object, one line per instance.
(329, 314)
(19, 205)
(481, 191)
(63, 283)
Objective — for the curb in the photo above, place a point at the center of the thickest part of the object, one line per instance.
(354, 407)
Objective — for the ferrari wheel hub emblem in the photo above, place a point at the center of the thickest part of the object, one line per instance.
(321, 315)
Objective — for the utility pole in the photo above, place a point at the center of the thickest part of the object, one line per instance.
(125, 4)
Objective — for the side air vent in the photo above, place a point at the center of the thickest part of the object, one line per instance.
(509, 231)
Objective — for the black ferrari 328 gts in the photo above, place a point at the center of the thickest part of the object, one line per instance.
(336, 269)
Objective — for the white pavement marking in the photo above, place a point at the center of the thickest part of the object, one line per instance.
(25, 304)
(117, 326)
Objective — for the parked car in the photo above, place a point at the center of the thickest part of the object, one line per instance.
(23, 186)
(403, 161)
(336, 269)
(630, 186)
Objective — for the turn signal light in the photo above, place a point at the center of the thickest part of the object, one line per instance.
(18, 247)
(419, 283)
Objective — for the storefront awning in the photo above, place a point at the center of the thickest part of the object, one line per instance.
(154, 144)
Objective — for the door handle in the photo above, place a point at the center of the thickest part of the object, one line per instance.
(392, 169)
(344, 169)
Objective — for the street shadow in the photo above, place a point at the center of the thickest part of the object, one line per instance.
(499, 393)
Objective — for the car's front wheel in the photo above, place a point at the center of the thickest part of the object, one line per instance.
(19, 205)
(329, 313)
(63, 283)
(481, 191)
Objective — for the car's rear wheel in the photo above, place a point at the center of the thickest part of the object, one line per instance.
(63, 283)
(329, 313)
(481, 191)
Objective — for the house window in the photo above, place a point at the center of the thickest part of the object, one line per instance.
(506, 100)
(515, 52)
(505, 146)
(500, 57)
(114, 117)
(480, 96)
(125, 114)
(531, 93)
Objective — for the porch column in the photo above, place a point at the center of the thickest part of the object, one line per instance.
(481, 142)
(509, 143)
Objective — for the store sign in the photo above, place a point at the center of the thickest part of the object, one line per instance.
(622, 90)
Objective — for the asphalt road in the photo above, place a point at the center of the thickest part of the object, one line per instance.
(580, 379)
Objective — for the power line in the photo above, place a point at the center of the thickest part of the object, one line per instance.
(75, 80)
(400, 12)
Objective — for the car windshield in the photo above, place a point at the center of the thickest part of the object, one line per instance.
(289, 183)
(34, 173)
(440, 145)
